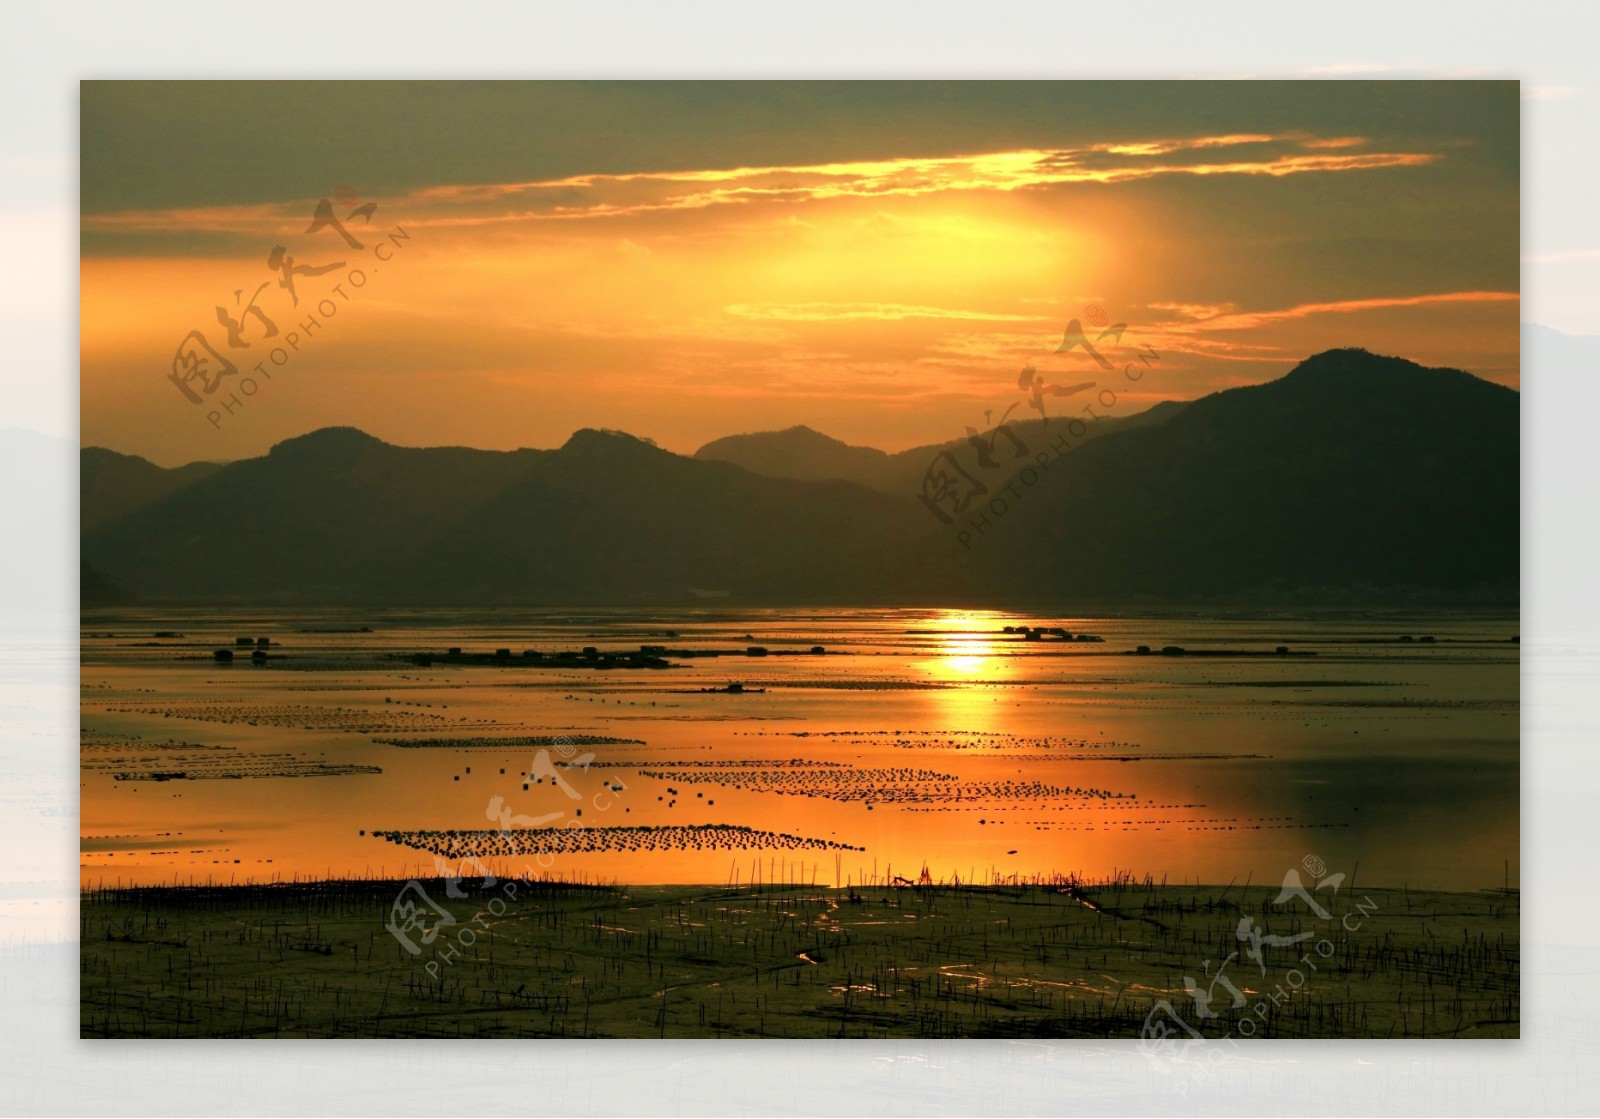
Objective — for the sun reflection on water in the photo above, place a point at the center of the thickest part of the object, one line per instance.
(965, 649)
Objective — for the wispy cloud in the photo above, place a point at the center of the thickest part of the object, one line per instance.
(602, 196)
(1163, 147)
(1194, 310)
(840, 312)
(1246, 320)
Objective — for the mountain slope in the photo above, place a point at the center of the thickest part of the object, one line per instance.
(338, 516)
(112, 485)
(1354, 478)
(1353, 471)
(802, 453)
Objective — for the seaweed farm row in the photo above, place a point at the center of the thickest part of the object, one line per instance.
(897, 785)
(484, 844)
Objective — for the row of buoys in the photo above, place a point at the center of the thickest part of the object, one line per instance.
(296, 716)
(951, 739)
(880, 785)
(720, 763)
(580, 840)
(843, 783)
(515, 742)
(266, 765)
(132, 759)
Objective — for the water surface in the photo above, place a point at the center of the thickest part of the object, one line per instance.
(916, 740)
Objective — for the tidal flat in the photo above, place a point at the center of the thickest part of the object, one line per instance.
(815, 823)
(1120, 959)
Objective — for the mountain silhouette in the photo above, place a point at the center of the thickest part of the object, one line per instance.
(112, 485)
(804, 453)
(1354, 478)
(338, 516)
(1354, 475)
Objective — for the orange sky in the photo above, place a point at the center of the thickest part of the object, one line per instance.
(888, 300)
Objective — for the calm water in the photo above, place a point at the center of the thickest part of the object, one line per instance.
(959, 748)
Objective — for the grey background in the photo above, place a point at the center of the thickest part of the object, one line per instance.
(44, 1069)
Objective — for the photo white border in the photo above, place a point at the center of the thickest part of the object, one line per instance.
(1555, 1069)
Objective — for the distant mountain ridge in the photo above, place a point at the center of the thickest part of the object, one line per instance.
(339, 516)
(112, 485)
(804, 453)
(1354, 477)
